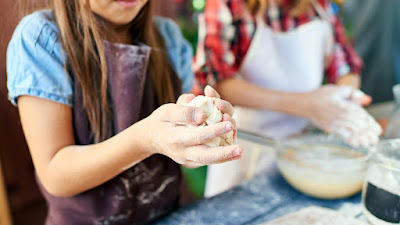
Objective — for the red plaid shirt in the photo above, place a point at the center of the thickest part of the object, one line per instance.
(227, 29)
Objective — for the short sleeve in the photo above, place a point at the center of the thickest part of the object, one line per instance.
(35, 61)
(179, 51)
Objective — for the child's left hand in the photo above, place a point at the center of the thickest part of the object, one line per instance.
(224, 106)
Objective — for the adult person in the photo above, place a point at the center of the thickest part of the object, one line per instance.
(269, 58)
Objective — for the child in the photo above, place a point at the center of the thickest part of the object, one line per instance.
(91, 79)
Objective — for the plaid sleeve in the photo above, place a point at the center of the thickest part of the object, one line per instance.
(214, 58)
(344, 58)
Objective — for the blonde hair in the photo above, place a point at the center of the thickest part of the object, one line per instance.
(297, 7)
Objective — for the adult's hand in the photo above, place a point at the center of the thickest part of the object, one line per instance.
(337, 109)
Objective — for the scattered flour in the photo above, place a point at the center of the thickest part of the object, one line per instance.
(316, 216)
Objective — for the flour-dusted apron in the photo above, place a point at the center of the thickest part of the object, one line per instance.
(142, 193)
(293, 62)
(285, 61)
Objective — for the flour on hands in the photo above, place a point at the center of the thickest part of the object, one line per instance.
(213, 116)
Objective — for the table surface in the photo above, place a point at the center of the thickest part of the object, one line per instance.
(381, 110)
(263, 198)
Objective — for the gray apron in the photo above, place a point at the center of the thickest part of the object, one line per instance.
(142, 193)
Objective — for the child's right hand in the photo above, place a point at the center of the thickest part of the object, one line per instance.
(166, 133)
(338, 109)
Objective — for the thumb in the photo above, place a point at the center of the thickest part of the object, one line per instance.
(185, 98)
(344, 92)
(353, 95)
(181, 115)
(211, 92)
(360, 98)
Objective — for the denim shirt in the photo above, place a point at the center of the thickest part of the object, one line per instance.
(36, 60)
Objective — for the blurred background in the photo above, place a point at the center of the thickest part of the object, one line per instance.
(372, 25)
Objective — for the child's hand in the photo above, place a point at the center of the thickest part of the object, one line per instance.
(167, 133)
(225, 107)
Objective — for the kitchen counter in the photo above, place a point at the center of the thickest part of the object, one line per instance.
(263, 198)
(381, 110)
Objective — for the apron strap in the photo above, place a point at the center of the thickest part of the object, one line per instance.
(320, 11)
(260, 24)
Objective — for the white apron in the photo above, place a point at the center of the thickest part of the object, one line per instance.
(286, 61)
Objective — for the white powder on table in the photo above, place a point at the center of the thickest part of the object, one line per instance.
(316, 216)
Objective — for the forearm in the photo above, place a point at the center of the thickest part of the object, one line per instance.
(75, 169)
(65, 169)
(243, 93)
(351, 79)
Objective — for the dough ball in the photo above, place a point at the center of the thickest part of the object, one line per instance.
(213, 116)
